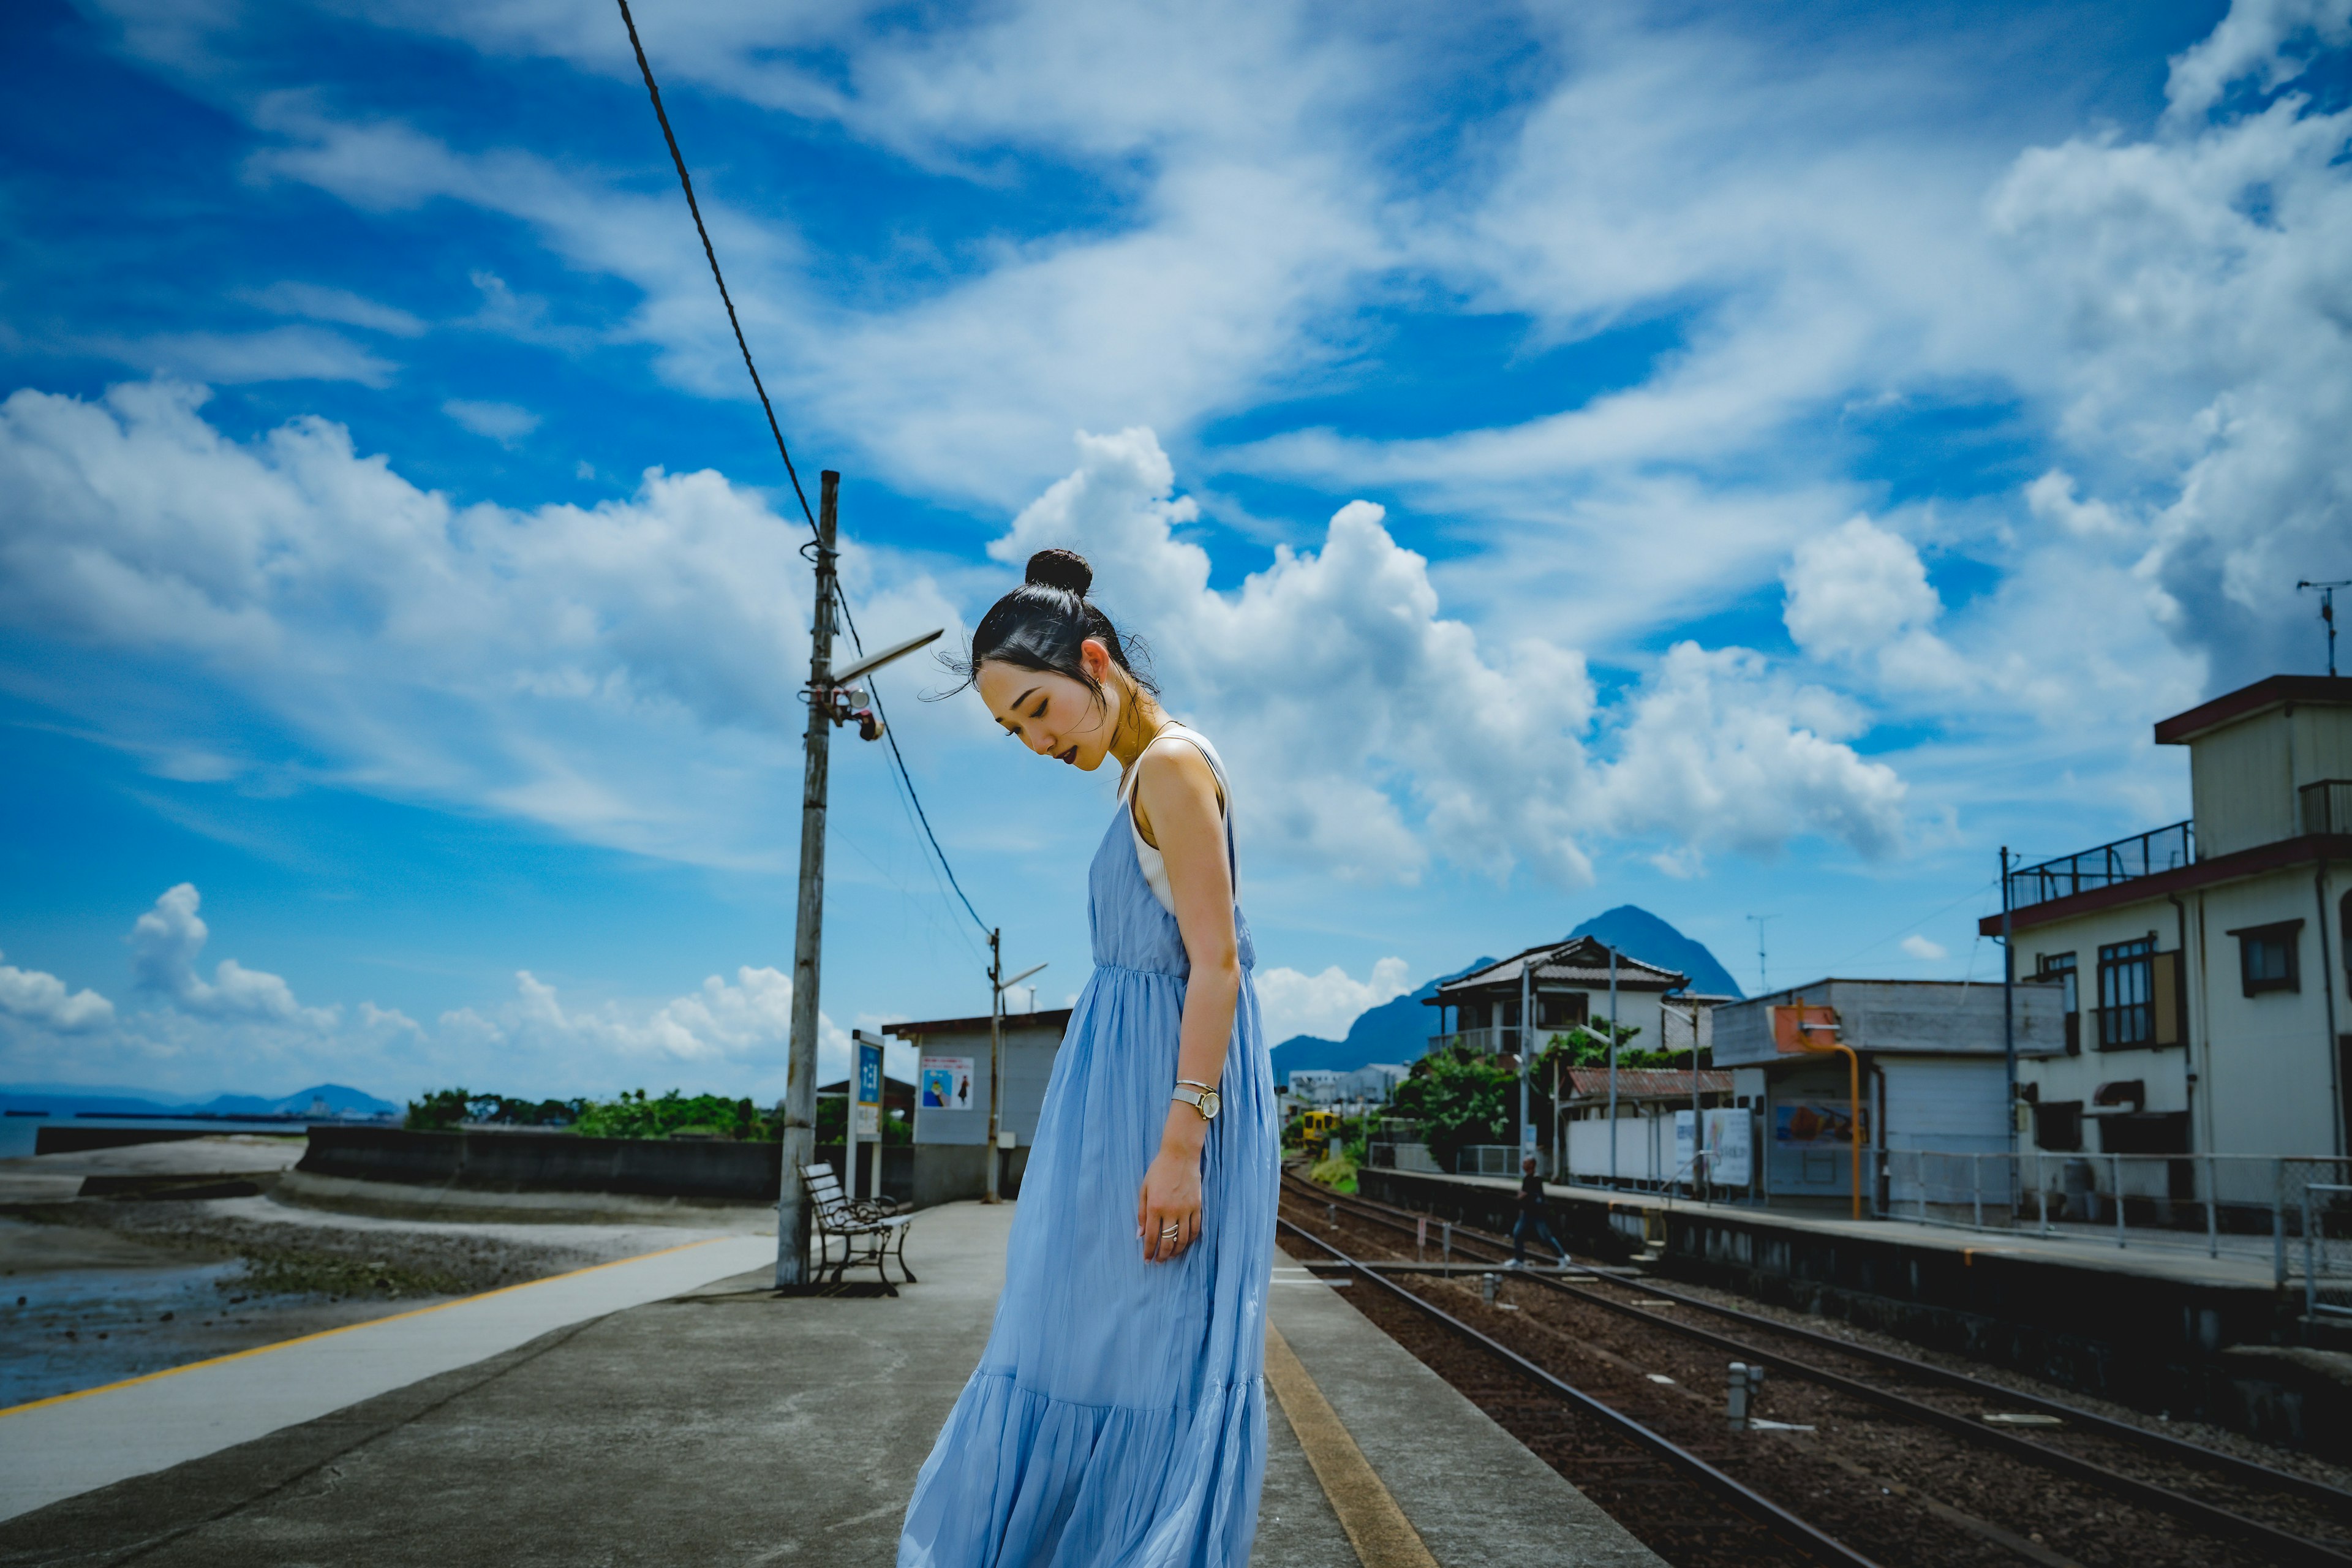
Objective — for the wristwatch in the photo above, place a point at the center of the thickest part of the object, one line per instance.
(1200, 1097)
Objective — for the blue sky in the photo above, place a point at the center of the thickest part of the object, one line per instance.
(1738, 460)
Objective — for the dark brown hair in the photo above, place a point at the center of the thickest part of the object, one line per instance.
(1041, 625)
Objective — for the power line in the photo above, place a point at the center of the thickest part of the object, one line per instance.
(695, 207)
(686, 183)
(899, 761)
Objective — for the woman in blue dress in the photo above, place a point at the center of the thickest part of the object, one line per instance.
(1118, 1419)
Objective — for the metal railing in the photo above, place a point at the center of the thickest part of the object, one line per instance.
(2327, 806)
(2249, 1207)
(1494, 1040)
(2327, 1250)
(2124, 860)
(1499, 1160)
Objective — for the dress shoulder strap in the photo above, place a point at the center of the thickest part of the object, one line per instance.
(1199, 742)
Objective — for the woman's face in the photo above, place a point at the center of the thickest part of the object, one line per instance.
(1054, 715)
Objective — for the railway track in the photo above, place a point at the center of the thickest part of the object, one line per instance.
(2085, 1489)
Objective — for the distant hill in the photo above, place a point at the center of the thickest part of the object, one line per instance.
(1399, 1031)
(336, 1098)
(1638, 933)
(113, 1099)
(1394, 1031)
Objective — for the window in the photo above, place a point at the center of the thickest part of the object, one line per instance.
(1561, 1009)
(2128, 994)
(2061, 967)
(2267, 955)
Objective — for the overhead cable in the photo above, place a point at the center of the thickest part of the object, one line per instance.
(687, 184)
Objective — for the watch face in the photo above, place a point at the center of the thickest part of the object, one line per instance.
(1210, 1102)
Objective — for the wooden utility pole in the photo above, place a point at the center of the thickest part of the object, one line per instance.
(800, 1080)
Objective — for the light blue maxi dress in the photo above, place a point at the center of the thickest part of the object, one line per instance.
(1118, 1417)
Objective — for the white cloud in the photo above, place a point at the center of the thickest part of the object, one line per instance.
(1717, 750)
(500, 422)
(164, 945)
(277, 353)
(321, 303)
(34, 997)
(2199, 295)
(1372, 731)
(2269, 41)
(1860, 591)
(1919, 947)
(621, 672)
(1325, 1005)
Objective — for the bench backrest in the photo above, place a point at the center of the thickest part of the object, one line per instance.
(824, 1190)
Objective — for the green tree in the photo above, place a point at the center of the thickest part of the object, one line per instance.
(1460, 1097)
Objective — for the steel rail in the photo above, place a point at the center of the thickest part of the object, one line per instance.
(2282, 1545)
(2248, 1472)
(1806, 1538)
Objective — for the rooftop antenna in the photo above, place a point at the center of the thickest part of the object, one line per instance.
(1763, 979)
(2327, 611)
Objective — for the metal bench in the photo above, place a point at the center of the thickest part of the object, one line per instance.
(869, 1231)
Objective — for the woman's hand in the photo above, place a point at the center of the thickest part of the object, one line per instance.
(1170, 1197)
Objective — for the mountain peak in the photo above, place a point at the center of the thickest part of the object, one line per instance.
(1634, 931)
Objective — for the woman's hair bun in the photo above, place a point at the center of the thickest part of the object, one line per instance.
(1064, 569)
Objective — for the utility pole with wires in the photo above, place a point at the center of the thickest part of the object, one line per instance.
(2327, 591)
(832, 698)
(808, 930)
(997, 987)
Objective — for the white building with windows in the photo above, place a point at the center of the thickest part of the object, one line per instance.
(2205, 966)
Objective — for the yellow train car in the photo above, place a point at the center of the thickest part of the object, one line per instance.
(1317, 1128)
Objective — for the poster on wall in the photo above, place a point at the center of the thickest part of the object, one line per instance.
(1805, 1122)
(947, 1083)
(1728, 1151)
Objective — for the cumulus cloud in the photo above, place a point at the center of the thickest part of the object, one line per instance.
(1860, 591)
(2199, 297)
(32, 997)
(1375, 732)
(1919, 947)
(164, 946)
(1325, 1005)
(241, 1026)
(559, 664)
(1718, 750)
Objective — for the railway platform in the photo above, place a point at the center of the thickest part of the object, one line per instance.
(695, 1416)
(2161, 1328)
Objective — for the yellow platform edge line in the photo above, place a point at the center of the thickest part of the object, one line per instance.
(1377, 1528)
(347, 1328)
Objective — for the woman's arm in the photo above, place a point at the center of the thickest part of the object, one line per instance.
(1176, 796)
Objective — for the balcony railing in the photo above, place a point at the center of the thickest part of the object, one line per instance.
(2124, 860)
(2327, 806)
(1494, 1040)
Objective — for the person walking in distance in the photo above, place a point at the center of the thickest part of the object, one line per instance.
(1117, 1416)
(1531, 1221)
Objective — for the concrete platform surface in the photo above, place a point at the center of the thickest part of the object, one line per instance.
(2244, 1261)
(72, 1444)
(722, 1424)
